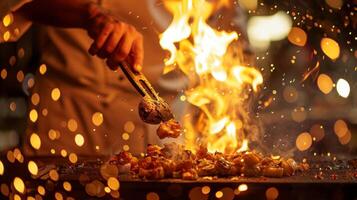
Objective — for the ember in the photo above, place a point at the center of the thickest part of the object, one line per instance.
(173, 161)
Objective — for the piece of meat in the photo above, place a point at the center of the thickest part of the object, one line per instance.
(169, 128)
(274, 172)
(122, 158)
(154, 111)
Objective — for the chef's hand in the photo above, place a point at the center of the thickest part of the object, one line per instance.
(114, 40)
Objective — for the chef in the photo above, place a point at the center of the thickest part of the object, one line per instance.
(81, 103)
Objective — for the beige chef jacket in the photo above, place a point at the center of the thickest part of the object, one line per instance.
(88, 86)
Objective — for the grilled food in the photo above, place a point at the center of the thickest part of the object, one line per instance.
(173, 161)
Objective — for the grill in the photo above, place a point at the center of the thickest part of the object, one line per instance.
(325, 180)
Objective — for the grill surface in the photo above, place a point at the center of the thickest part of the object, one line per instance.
(320, 172)
(325, 180)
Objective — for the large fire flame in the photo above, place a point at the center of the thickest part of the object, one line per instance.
(219, 85)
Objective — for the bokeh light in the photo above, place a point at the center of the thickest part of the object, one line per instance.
(79, 139)
(12, 106)
(243, 187)
(12, 62)
(206, 190)
(42, 69)
(97, 118)
(17, 154)
(19, 185)
(35, 99)
(33, 115)
(21, 53)
(52, 134)
(264, 29)
(4, 189)
(330, 47)
(183, 97)
(340, 128)
(219, 194)
(30, 81)
(107, 190)
(41, 190)
(336, 4)
(346, 138)
(55, 94)
(32, 167)
(304, 141)
(53, 175)
(325, 83)
(31, 198)
(3, 73)
(63, 153)
(7, 20)
(35, 141)
(343, 88)
(10, 156)
(290, 94)
(297, 36)
(129, 126)
(152, 196)
(20, 76)
(107, 171)
(72, 125)
(73, 158)
(2, 168)
(17, 197)
(272, 193)
(58, 196)
(113, 183)
(125, 136)
(126, 147)
(67, 186)
(7, 36)
(44, 112)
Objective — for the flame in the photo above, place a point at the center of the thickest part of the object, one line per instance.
(219, 84)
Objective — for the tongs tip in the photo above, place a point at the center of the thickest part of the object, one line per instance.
(154, 111)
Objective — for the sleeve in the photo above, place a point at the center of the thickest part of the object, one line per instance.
(12, 25)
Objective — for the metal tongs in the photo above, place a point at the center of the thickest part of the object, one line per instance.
(152, 109)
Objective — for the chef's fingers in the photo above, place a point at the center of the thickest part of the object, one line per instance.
(137, 52)
(112, 42)
(103, 35)
(123, 49)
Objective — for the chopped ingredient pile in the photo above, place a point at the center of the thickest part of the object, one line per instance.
(173, 161)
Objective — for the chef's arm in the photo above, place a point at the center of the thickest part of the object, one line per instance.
(114, 40)
(61, 13)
